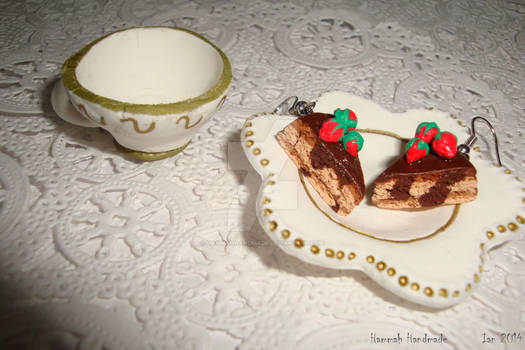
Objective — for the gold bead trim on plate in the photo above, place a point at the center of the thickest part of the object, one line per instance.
(380, 266)
(250, 142)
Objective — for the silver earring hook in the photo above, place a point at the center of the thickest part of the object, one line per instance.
(285, 106)
(293, 106)
(465, 148)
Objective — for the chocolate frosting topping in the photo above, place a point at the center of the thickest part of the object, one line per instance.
(445, 172)
(333, 155)
(429, 163)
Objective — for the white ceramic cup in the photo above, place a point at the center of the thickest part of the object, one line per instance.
(150, 87)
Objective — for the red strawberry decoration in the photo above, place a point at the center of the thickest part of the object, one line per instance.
(330, 131)
(415, 150)
(352, 142)
(333, 129)
(444, 144)
(426, 131)
(341, 128)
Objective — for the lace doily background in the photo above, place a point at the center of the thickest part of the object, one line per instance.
(99, 251)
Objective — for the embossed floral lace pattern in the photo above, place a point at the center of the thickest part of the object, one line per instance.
(103, 252)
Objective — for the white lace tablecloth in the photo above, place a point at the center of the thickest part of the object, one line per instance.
(101, 252)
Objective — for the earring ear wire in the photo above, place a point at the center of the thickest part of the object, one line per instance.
(293, 106)
(465, 147)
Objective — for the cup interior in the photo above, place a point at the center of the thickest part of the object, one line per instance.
(156, 65)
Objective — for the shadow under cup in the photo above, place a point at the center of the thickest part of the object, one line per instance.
(150, 87)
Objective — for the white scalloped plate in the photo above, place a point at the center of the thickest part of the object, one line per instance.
(432, 257)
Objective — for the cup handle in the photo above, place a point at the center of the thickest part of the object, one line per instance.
(64, 108)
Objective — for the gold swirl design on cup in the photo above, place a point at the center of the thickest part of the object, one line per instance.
(136, 125)
(85, 113)
(187, 122)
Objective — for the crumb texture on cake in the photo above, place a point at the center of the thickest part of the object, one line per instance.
(333, 173)
(429, 182)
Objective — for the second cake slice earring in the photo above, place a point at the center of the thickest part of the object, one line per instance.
(432, 172)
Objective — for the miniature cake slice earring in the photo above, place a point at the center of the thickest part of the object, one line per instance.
(324, 147)
(431, 173)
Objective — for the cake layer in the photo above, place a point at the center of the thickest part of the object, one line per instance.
(334, 174)
(428, 182)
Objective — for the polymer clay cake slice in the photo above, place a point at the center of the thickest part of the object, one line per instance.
(431, 173)
(324, 147)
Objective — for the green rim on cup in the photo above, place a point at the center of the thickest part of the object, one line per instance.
(69, 79)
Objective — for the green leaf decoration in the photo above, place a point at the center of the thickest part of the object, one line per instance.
(420, 145)
(353, 136)
(342, 118)
(410, 143)
(426, 126)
